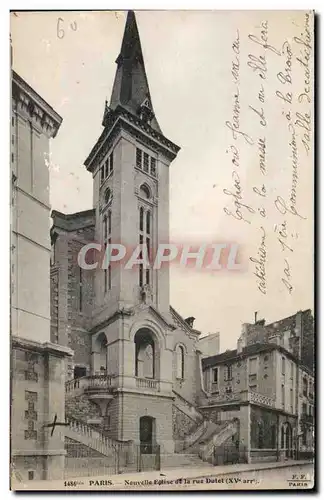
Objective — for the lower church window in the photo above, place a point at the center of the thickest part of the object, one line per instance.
(180, 362)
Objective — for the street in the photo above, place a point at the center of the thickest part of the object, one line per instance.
(268, 476)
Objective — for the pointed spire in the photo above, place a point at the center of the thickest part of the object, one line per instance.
(130, 88)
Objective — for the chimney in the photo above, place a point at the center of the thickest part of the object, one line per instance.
(275, 339)
(242, 341)
(190, 321)
(240, 345)
(299, 331)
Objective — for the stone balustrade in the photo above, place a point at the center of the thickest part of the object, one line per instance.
(76, 384)
(147, 383)
(108, 383)
(87, 435)
(237, 397)
(90, 383)
(257, 398)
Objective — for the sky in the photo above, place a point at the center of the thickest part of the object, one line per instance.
(188, 58)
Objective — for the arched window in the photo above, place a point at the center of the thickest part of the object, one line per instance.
(148, 222)
(145, 191)
(109, 222)
(100, 351)
(144, 239)
(180, 362)
(141, 219)
(145, 358)
(107, 195)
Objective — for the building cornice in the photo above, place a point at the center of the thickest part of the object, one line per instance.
(120, 313)
(220, 359)
(41, 347)
(181, 323)
(72, 222)
(120, 119)
(32, 106)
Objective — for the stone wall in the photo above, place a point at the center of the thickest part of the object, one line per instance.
(134, 406)
(82, 409)
(182, 424)
(263, 428)
(186, 387)
(220, 414)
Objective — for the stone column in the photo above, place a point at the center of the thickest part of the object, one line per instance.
(54, 405)
(245, 425)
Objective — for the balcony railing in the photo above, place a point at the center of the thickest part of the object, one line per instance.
(101, 382)
(76, 384)
(147, 383)
(257, 398)
(225, 397)
(90, 383)
(237, 397)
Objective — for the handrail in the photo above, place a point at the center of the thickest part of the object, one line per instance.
(191, 406)
(209, 446)
(193, 438)
(188, 403)
(89, 381)
(86, 430)
(186, 415)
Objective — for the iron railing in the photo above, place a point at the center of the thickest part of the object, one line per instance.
(148, 457)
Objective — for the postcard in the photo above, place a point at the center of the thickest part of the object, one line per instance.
(162, 250)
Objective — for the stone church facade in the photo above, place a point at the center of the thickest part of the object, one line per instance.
(119, 322)
(141, 373)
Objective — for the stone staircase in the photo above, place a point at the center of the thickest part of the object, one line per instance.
(216, 440)
(187, 408)
(198, 446)
(194, 449)
(208, 431)
(91, 438)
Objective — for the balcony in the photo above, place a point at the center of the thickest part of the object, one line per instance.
(257, 398)
(100, 383)
(241, 397)
(147, 383)
(97, 384)
(227, 397)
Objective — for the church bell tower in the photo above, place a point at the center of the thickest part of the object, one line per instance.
(131, 327)
(130, 167)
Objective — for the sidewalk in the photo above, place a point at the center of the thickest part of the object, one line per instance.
(169, 479)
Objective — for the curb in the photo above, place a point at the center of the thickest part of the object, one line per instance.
(256, 469)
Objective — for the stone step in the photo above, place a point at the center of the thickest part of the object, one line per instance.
(180, 460)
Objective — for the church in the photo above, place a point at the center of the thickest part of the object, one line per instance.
(141, 375)
(129, 344)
